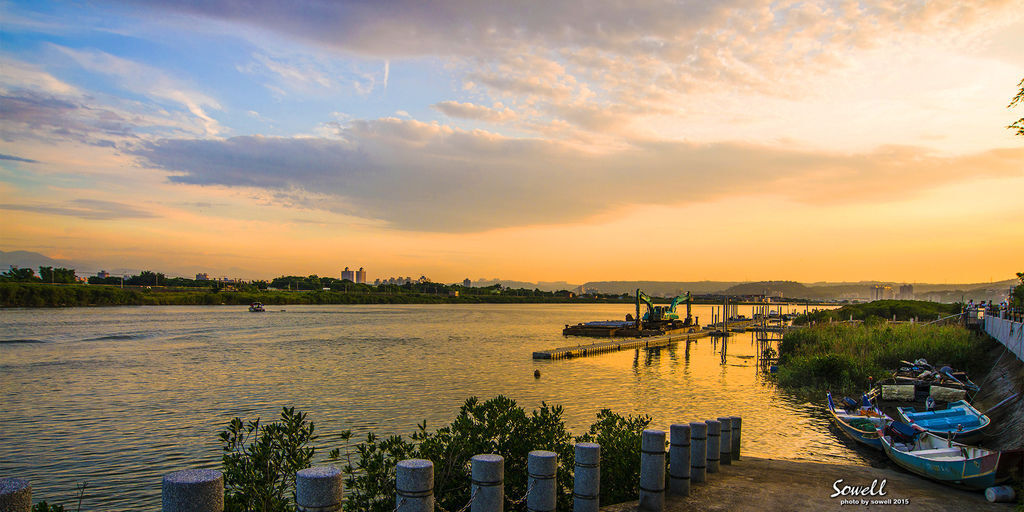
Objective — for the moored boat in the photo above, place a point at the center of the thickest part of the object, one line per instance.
(256, 307)
(959, 419)
(939, 459)
(858, 421)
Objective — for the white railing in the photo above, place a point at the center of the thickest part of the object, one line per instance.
(1008, 332)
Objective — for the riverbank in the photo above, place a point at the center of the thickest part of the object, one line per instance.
(758, 484)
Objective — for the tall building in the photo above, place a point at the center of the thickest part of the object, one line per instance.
(907, 292)
(361, 275)
(882, 292)
(348, 274)
(467, 283)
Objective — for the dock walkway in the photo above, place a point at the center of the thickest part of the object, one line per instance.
(616, 344)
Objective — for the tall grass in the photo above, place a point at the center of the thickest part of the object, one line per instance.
(885, 309)
(845, 358)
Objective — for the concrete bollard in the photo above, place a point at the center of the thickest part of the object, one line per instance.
(15, 495)
(414, 486)
(725, 451)
(698, 452)
(487, 489)
(714, 444)
(586, 489)
(541, 468)
(193, 490)
(652, 470)
(737, 423)
(318, 489)
(679, 460)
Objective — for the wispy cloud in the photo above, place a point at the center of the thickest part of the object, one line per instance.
(90, 209)
(470, 111)
(18, 159)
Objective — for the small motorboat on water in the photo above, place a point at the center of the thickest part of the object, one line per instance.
(940, 459)
(859, 421)
(959, 420)
(256, 307)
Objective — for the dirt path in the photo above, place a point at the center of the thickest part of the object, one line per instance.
(755, 484)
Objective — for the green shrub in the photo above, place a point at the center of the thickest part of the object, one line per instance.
(620, 439)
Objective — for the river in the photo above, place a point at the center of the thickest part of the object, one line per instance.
(117, 397)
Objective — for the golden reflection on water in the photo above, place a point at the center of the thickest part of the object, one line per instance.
(119, 396)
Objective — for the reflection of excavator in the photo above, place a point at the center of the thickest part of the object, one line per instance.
(663, 316)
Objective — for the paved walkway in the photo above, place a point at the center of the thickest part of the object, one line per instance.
(755, 484)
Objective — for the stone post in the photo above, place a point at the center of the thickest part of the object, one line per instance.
(714, 444)
(318, 489)
(725, 451)
(487, 489)
(652, 470)
(541, 468)
(414, 486)
(698, 452)
(587, 483)
(15, 495)
(679, 460)
(737, 423)
(193, 490)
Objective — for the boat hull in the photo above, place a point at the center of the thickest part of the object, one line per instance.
(947, 422)
(959, 465)
(865, 436)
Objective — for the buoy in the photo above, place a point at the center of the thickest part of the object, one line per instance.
(1000, 494)
(536, 374)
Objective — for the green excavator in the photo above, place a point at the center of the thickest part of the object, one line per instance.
(663, 314)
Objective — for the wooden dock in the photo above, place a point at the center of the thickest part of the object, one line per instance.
(631, 343)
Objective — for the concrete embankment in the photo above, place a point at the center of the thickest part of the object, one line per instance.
(756, 485)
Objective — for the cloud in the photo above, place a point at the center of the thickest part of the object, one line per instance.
(18, 159)
(90, 209)
(471, 111)
(431, 177)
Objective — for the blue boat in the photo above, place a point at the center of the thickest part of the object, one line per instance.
(959, 419)
(938, 458)
(860, 422)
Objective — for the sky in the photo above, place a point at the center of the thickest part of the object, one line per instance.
(538, 141)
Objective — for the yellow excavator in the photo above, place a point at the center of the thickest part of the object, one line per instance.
(660, 315)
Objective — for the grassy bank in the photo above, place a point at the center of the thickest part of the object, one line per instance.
(883, 310)
(46, 295)
(843, 357)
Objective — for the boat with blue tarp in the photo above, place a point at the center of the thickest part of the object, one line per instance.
(959, 419)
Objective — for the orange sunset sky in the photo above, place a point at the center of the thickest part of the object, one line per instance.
(563, 140)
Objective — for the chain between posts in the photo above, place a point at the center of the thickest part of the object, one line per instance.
(529, 487)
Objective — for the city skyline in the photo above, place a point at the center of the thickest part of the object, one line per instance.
(805, 141)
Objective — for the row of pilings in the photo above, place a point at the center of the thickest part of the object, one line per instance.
(694, 451)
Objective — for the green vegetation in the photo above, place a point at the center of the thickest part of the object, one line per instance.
(844, 357)
(260, 461)
(1018, 100)
(260, 475)
(1017, 297)
(882, 310)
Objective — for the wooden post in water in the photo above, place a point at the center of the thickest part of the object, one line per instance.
(586, 490)
(698, 452)
(679, 460)
(652, 470)
(487, 489)
(714, 444)
(414, 486)
(541, 468)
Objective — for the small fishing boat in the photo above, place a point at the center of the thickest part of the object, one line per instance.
(959, 419)
(940, 459)
(256, 307)
(858, 421)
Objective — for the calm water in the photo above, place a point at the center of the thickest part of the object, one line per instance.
(117, 397)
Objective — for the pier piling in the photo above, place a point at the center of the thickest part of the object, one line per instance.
(698, 452)
(414, 486)
(541, 467)
(714, 444)
(586, 490)
(488, 483)
(193, 490)
(725, 452)
(318, 489)
(679, 460)
(652, 470)
(15, 495)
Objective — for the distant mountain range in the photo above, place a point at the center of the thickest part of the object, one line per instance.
(788, 289)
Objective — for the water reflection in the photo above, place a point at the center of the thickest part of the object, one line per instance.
(118, 396)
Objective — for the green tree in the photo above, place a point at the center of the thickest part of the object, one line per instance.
(1018, 100)
(20, 275)
(1017, 297)
(57, 275)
